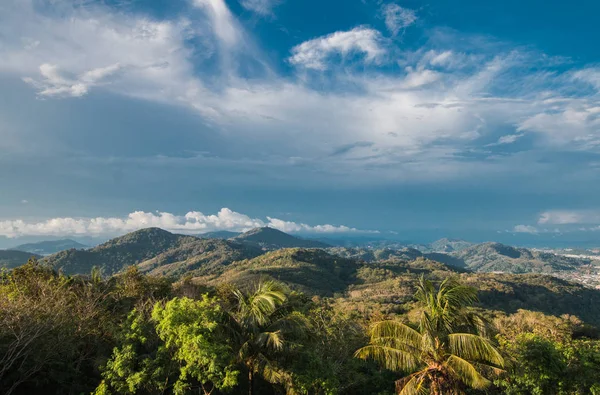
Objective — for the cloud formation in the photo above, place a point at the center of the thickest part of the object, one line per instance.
(313, 54)
(193, 222)
(261, 7)
(525, 229)
(52, 83)
(569, 217)
(426, 116)
(398, 18)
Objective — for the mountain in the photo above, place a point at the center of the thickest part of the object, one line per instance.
(13, 258)
(496, 257)
(50, 246)
(449, 245)
(272, 239)
(219, 234)
(115, 254)
(198, 257)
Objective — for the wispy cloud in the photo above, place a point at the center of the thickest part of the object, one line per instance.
(508, 139)
(569, 217)
(313, 54)
(398, 18)
(261, 7)
(53, 83)
(419, 115)
(192, 222)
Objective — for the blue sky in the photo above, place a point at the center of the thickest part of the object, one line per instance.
(413, 119)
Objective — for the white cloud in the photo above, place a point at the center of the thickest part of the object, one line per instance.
(442, 58)
(192, 222)
(508, 139)
(224, 24)
(292, 227)
(569, 217)
(572, 121)
(313, 54)
(261, 7)
(54, 84)
(589, 75)
(418, 119)
(398, 18)
(525, 229)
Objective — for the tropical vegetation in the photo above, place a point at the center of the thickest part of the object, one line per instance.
(272, 325)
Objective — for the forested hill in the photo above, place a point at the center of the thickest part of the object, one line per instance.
(272, 239)
(117, 253)
(14, 258)
(165, 253)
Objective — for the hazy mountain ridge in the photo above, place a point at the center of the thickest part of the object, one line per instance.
(449, 245)
(219, 234)
(48, 247)
(159, 252)
(497, 257)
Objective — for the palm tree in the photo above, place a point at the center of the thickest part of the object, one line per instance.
(260, 322)
(448, 350)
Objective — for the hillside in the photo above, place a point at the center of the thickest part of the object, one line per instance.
(115, 254)
(198, 257)
(272, 239)
(50, 246)
(390, 290)
(14, 258)
(496, 257)
(449, 245)
(372, 255)
(309, 270)
(388, 286)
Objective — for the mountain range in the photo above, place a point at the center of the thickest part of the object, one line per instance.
(260, 250)
(160, 252)
(381, 278)
(50, 246)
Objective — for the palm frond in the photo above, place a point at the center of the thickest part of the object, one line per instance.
(396, 331)
(255, 307)
(412, 385)
(268, 370)
(293, 324)
(390, 358)
(474, 348)
(272, 340)
(467, 373)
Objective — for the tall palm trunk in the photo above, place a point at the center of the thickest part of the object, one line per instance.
(250, 382)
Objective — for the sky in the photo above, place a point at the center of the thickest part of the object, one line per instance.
(408, 119)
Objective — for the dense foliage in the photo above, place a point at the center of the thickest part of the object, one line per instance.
(244, 332)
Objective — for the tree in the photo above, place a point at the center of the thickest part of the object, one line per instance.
(180, 348)
(194, 330)
(446, 351)
(259, 323)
